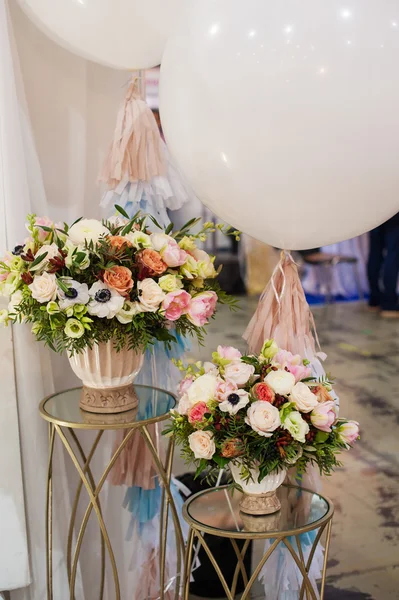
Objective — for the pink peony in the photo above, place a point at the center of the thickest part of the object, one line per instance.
(202, 308)
(262, 391)
(196, 413)
(173, 255)
(224, 388)
(324, 416)
(294, 364)
(47, 223)
(348, 432)
(184, 385)
(176, 304)
(229, 353)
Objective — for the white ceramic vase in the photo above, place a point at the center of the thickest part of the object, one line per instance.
(107, 377)
(258, 498)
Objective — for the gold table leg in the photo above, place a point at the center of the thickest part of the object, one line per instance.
(49, 515)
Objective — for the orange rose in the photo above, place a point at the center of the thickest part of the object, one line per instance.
(150, 263)
(117, 242)
(119, 279)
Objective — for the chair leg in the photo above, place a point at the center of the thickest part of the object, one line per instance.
(357, 281)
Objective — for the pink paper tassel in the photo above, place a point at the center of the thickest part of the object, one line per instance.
(135, 464)
(136, 152)
(283, 314)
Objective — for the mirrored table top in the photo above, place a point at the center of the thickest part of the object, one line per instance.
(216, 511)
(63, 409)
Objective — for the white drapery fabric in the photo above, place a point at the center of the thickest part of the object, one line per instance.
(51, 148)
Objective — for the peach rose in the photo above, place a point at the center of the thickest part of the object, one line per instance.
(119, 279)
(150, 263)
(117, 242)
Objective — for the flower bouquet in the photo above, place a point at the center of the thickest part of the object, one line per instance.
(260, 415)
(104, 291)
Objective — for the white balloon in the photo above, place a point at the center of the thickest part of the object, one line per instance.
(124, 34)
(284, 116)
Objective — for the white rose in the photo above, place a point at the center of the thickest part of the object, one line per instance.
(139, 239)
(15, 300)
(202, 444)
(297, 426)
(202, 389)
(150, 295)
(304, 399)
(280, 381)
(89, 230)
(52, 251)
(160, 240)
(184, 405)
(128, 312)
(263, 417)
(239, 372)
(44, 287)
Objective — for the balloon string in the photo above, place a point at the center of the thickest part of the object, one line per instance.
(285, 254)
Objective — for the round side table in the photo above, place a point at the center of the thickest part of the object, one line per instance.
(216, 512)
(66, 419)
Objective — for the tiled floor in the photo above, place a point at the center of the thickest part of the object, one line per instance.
(363, 355)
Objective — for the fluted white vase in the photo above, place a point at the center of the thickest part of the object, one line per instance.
(107, 377)
(258, 498)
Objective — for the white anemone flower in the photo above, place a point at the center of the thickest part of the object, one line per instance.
(235, 402)
(104, 301)
(78, 293)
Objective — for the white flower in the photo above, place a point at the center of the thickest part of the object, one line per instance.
(15, 300)
(239, 372)
(78, 293)
(280, 381)
(190, 268)
(205, 266)
(150, 295)
(128, 312)
(104, 301)
(202, 389)
(202, 444)
(139, 239)
(304, 399)
(52, 251)
(235, 402)
(209, 367)
(4, 316)
(44, 287)
(170, 283)
(263, 417)
(297, 426)
(184, 405)
(87, 230)
(160, 241)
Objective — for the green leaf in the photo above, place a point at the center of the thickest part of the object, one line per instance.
(221, 461)
(62, 285)
(79, 258)
(153, 219)
(128, 228)
(203, 464)
(321, 437)
(77, 221)
(49, 229)
(169, 228)
(121, 211)
(38, 260)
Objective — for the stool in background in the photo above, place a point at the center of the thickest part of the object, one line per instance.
(324, 264)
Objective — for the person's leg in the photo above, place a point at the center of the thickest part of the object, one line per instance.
(389, 300)
(374, 265)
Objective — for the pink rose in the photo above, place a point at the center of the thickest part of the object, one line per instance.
(196, 413)
(239, 372)
(224, 388)
(323, 416)
(202, 308)
(262, 391)
(173, 255)
(294, 364)
(229, 353)
(184, 385)
(176, 304)
(349, 432)
(47, 223)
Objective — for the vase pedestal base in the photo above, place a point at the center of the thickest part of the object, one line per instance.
(260, 504)
(110, 400)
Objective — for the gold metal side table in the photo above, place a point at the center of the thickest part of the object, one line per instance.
(65, 420)
(216, 512)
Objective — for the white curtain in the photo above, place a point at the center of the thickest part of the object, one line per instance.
(57, 115)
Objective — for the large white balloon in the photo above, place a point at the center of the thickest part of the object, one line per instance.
(284, 115)
(124, 34)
